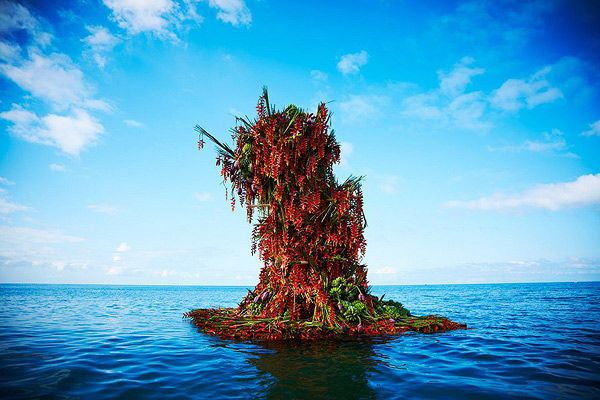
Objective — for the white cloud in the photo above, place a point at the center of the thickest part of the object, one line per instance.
(352, 63)
(165, 273)
(133, 123)
(6, 181)
(466, 111)
(103, 208)
(13, 234)
(318, 75)
(234, 12)
(422, 106)
(203, 196)
(569, 269)
(53, 78)
(551, 142)
(123, 247)
(71, 133)
(454, 82)
(594, 129)
(361, 107)
(57, 167)
(159, 17)
(9, 53)
(583, 191)
(384, 271)
(8, 207)
(449, 105)
(118, 256)
(39, 248)
(515, 94)
(15, 17)
(114, 270)
(100, 41)
(19, 116)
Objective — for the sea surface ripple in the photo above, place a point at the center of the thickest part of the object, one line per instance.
(528, 341)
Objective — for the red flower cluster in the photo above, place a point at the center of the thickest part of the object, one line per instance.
(310, 227)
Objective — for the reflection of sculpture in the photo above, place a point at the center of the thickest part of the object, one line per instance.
(308, 233)
(318, 370)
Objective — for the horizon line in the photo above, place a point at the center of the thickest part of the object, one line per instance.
(245, 286)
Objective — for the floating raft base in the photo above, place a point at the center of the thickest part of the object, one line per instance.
(228, 324)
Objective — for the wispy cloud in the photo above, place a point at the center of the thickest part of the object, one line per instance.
(100, 42)
(455, 81)
(103, 208)
(9, 52)
(318, 75)
(123, 247)
(362, 107)
(26, 247)
(550, 142)
(449, 105)
(57, 167)
(15, 18)
(234, 12)
(13, 234)
(583, 191)
(54, 79)
(203, 196)
(6, 181)
(352, 63)
(516, 94)
(133, 123)
(117, 256)
(518, 270)
(162, 18)
(6, 205)
(387, 270)
(594, 129)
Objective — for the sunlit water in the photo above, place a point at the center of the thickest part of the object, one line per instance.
(528, 341)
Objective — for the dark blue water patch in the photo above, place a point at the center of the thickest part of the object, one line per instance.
(529, 341)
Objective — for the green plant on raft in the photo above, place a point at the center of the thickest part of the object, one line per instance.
(391, 309)
(343, 289)
(336, 293)
(354, 311)
(255, 308)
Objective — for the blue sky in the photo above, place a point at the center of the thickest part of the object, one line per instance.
(476, 124)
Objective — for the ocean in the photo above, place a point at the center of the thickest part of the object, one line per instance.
(526, 341)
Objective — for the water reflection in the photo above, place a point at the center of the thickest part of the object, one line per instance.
(317, 370)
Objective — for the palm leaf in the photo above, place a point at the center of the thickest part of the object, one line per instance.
(222, 148)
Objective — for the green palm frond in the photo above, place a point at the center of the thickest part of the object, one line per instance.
(222, 148)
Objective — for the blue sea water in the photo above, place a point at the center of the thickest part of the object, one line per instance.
(527, 341)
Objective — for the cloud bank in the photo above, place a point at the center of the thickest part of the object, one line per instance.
(583, 191)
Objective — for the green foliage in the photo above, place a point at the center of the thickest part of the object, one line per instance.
(343, 289)
(255, 308)
(391, 309)
(346, 296)
(336, 292)
(353, 311)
